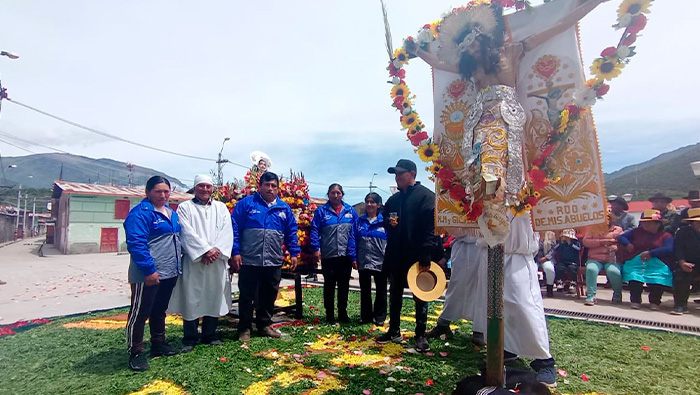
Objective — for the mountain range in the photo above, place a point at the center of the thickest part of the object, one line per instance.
(41, 170)
(669, 173)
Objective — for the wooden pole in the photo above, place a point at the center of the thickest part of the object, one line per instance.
(494, 351)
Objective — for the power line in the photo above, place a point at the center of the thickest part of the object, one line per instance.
(17, 146)
(2, 133)
(105, 134)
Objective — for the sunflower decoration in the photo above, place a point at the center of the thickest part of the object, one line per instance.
(401, 56)
(606, 69)
(428, 152)
(434, 168)
(400, 90)
(407, 121)
(633, 7)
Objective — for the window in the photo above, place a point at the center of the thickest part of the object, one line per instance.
(121, 208)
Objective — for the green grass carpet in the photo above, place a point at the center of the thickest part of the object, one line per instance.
(54, 359)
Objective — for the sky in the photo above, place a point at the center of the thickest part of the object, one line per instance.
(303, 81)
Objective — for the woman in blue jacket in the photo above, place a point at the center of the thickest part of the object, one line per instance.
(153, 240)
(333, 242)
(370, 237)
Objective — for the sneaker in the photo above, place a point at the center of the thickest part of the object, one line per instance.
(187, 348)
(269, 332)
(478, 339)
(163, 349)
(590, 301)
(389, 337)
(548, 376)
(244, 335)
(654, 307)
(438, 331)
(138, 362)
(679, 310)
(635, 306)
(421, 344)
(379, 322)
(572, 289)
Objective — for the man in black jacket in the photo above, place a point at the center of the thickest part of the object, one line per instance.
(409, 222)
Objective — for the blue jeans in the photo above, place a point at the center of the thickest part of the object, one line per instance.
(614, 271)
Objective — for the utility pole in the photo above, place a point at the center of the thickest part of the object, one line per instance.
(33, 215)
(371, 186)
(220, 164)
(24, 217)
(19, 196)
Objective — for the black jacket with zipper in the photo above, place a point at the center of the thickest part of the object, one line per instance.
(412, 239)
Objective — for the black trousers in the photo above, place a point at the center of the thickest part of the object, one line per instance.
(655, 292)
(258, 286)
(367, 313)
(681, 285)
(191, 330)
(148, 303)
(336, 271)
(398, 283)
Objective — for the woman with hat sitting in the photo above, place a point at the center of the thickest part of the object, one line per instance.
(601, 241)
(649, 259)
(687, 252)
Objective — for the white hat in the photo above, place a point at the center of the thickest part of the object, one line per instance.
(257, 156)
(203, 179)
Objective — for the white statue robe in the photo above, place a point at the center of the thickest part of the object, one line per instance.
(203, 290)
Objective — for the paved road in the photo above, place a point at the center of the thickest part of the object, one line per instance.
(60, 284)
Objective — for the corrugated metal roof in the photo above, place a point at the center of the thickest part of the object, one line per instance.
(79, 188)
(638, 207)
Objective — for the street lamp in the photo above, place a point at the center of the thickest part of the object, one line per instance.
(371, 186)
(220, 163)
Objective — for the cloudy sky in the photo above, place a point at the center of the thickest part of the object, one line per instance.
(304, 81)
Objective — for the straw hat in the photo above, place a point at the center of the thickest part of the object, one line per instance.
(693, 196)
(650, 215)
(693, 215)
(570, 233)
(429, 285)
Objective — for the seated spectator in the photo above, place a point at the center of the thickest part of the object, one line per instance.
(686, 248)
(601, 241)
(649, 259)
(619, 207)
(544, 260)
(567, 257)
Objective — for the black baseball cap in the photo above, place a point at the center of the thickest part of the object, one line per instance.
(401, 166)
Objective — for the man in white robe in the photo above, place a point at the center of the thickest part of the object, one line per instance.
(204, 289)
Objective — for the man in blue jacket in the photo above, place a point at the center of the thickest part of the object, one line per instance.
(262, 223)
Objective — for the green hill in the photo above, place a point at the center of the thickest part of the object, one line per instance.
(669, 173)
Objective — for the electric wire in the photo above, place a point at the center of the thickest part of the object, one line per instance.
(3, 133)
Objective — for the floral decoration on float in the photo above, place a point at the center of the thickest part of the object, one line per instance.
(612, 60)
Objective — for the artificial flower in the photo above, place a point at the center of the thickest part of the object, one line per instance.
(574, 111)
(629, 39)
(606, 69)
(398, 100)
(428, 152)
(434, 28)
(639, 23)
(408, 120)
(624, 21)
(623, 51)
(633, 7)
(401, 55)
(446, 174)
(475, 211)
(563, 121)
(538, 177)
(584, 97)
(602, 90)
(457, 192)
(418, 138)
(434, 168)
(424, 37)
(532, 201)
(399, 90)
(609, 52)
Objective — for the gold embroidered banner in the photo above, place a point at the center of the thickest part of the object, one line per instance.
(547, 77)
